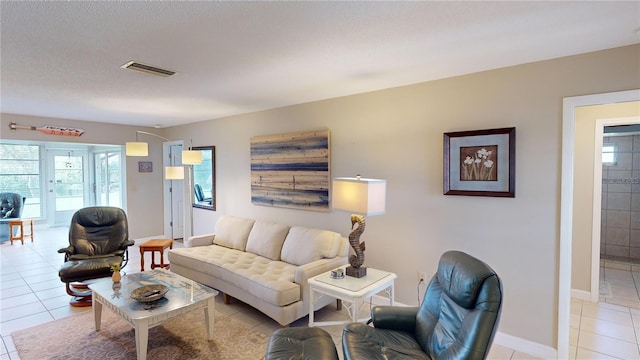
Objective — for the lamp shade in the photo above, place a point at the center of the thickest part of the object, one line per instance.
(174, 172)
(361, 196)
(137, 149)
(191, 157)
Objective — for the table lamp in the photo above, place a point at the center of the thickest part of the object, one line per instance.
(361, 197)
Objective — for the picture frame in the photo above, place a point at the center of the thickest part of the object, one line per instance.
(145, 166)
(480, 162)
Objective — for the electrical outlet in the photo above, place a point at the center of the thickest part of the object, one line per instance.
(422, 276)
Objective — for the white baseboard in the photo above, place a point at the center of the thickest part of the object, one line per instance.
(580, 294)
(525, 346)
(502, 339)
(141, 240)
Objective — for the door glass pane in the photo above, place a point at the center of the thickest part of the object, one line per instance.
(69, 182)
(113, 166)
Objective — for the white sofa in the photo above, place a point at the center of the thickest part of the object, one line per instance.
(263, 264)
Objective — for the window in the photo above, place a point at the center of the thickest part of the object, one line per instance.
(608, 154)
(20, 173)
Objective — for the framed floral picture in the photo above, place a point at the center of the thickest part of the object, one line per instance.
(480, 162)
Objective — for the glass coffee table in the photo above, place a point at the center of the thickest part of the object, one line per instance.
(351, 290)
(183, 296)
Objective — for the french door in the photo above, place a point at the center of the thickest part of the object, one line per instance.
(67, 184)
(108, 178)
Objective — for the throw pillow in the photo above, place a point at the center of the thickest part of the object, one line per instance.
(232, 232)
(305, 245)
(265, 239)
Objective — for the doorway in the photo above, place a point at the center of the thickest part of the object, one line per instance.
(570, 105)
(176, 216)
(614, 211)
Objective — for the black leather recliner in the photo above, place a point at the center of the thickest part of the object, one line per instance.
(457, 319)
(98, 240)
(11, 205)
(200, 194)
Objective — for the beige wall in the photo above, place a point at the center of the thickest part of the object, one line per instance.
(585, 124)
(396, 134)
(144, 190)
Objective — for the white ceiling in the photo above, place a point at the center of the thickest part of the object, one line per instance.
(62, 59)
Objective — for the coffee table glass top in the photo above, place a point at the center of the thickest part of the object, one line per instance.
(350, 283)
(182, 292)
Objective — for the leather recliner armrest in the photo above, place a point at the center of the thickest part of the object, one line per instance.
(127, 243)
(68, 250)
(394, 318)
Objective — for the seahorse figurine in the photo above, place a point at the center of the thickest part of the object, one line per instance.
(357, 260)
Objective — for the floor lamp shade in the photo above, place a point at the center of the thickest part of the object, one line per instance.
(174, 172)
(191, 157)
(359, 195)
(137, 149)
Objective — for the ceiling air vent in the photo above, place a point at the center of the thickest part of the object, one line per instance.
(133, 65)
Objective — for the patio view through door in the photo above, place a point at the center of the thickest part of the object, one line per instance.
(66, 184)
(108, 179)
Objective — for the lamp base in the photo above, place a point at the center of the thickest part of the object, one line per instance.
(356, 272)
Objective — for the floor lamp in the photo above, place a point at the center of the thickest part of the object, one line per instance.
(190, 158)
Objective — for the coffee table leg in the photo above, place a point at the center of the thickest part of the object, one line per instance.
(209, 318)
(142, 339)
(97, 312)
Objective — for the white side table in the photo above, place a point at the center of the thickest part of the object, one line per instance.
(351, 290)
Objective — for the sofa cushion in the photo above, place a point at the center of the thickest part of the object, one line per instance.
(304, 245)
(271, 281)
(265, 239)
(232, 232)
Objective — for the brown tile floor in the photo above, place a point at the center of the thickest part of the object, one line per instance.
(32, 294)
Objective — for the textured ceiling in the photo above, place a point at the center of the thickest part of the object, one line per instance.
(62, 59)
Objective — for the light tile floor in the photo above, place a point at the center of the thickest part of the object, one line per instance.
(31, 294)
(609, 329)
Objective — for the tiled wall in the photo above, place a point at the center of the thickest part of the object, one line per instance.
(620, 237)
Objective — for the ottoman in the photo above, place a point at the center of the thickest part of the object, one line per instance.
(301, 343)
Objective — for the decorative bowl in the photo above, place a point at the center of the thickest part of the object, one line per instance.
(149, 293)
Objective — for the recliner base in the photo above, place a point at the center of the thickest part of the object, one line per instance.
(80, 298)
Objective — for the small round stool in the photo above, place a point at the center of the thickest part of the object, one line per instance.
(301, 343)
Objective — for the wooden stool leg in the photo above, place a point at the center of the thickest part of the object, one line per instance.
(31, 233)
(141, 259)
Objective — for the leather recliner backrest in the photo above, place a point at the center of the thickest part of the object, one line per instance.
(199, 193)
(11, 205)
(98, 230)
(461, 309)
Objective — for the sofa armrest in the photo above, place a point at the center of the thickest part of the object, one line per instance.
(394, 317)
(199, 240)
(307, 271)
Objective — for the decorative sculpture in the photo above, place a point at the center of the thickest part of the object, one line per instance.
(356, 269)
(49, 130)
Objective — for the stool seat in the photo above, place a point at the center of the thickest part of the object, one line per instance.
(301, 343)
